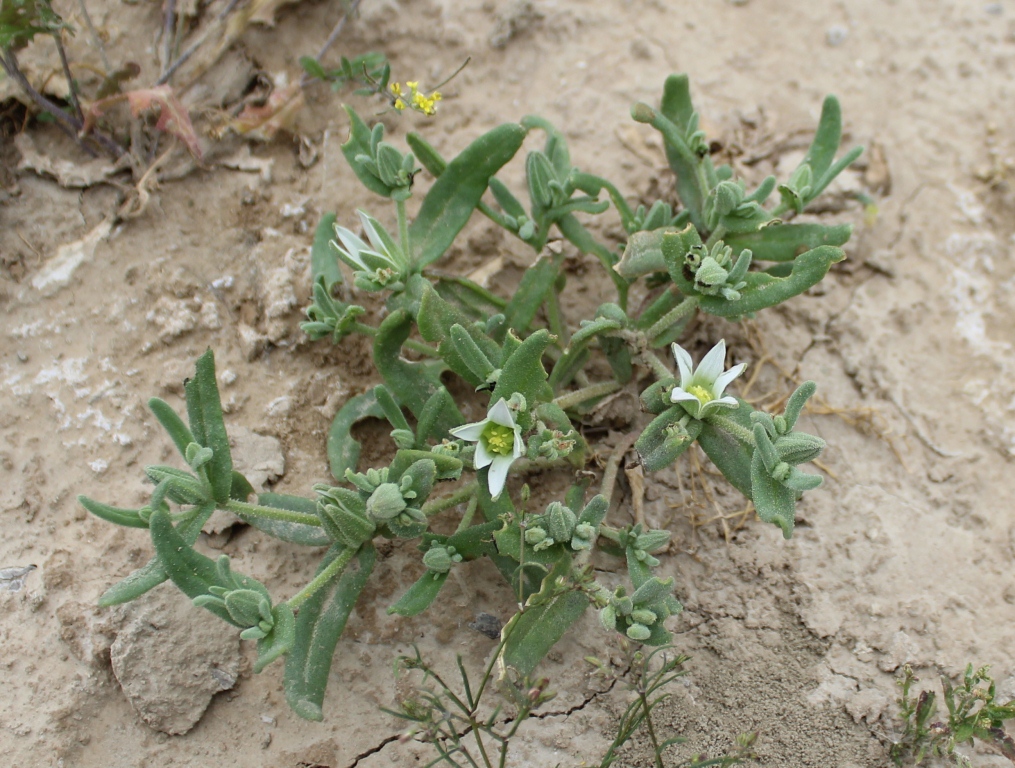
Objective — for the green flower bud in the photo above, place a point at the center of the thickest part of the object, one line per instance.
(385, 502)
(608, 618)
(439, 558)
(345, 526)
(403, 438)
(197, 456)
(535, 535)
(560, 521)
(639, 632)
(798, 447)
(544, 544)
(652, 541)
(624, 605)
(644, 616)
(710, 276)
(244, 605)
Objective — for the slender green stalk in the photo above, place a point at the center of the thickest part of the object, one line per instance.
(470, 512)
(657, 366)
(245, 511)
(557, 327)
(403, 229)
(742, 434)
(675, 315)
(434, 506)
(591, 392)
(333, 571)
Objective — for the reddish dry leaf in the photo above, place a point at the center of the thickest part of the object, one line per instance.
(276, 114)
(173, 116)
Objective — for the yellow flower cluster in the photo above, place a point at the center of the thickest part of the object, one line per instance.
(414, 98)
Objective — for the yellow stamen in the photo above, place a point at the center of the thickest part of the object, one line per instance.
(703, 395)
(499, 439)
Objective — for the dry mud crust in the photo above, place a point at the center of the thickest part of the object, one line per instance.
(905, 556)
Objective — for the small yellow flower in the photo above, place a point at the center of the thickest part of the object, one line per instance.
(435, 96)
(399, 104)
(396, 89)
(413, 84)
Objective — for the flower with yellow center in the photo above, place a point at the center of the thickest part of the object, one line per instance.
(701, 390)
(498, 440)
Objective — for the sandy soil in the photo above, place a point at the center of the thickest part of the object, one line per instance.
(905, 555)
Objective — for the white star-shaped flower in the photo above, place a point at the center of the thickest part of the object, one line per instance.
(701, 391)
(498, 442)
(381, 260)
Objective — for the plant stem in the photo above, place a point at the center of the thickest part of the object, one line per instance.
(243, 510)
(553, 316)
(591, 392)
(434, 506)
(470, 512)
(675, 315)
(335, 32)
(657, 366)
(68, 124)
(71, 85)
(334, 569)
(168, 27)
(403, 230)
(96, 40)
(741, 433)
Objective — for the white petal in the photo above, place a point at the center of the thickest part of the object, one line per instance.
(351, 245)
(679, 395)
(718, 405)
(711, 366)
(498, 475)
(519, 450)
(483, 457)
(371, 232)
(724, 379)
(501, 414)
(470, 431)
(732, 402)
(684, 363)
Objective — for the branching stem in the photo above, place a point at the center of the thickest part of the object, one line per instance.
(333, 571)
(244, 511)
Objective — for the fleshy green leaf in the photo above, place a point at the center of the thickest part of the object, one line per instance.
(663, 441)
(553, 610)
(358, 146)
(420, 595)
(206, 423)
(523, 372)
(764, 290)
(458, 190)
(775, 502)
(323, 262)
(152, 574)
(536, 283)
(784, 242)
(116, 515)
(343, 448)
(191, 571)
(319, 626)
(172, 423)
(731, 455)
(280, 640)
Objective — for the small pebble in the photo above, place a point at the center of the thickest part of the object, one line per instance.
(836, 35)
